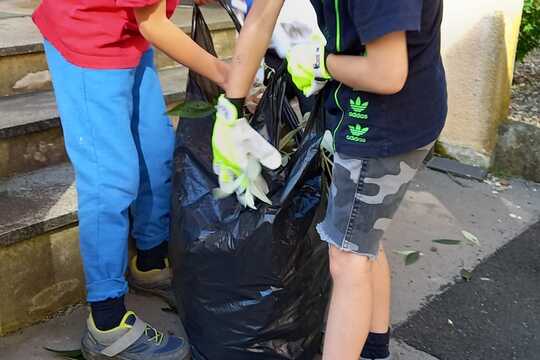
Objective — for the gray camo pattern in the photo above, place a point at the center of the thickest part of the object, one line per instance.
(364, 196)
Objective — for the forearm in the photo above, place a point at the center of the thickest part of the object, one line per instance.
(252, 45)
(175, 43)
(162, 33)
(383, 70)
(356, 72)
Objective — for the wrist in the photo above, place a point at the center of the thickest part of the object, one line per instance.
(238, 103)
(222, 73)
(229, 111)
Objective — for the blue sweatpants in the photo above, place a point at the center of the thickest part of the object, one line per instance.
(120, 143)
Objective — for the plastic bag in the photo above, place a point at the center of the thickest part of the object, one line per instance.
(253, 284)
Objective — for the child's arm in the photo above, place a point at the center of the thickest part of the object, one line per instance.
(251, 46)
(160, 31)
(383, 71)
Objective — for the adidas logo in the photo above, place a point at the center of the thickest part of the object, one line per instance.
(356, 133)
(358, 108)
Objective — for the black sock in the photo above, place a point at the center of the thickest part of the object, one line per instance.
(377, 346)
(153, 258)
(108, 314)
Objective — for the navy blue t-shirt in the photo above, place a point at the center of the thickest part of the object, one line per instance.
(371, 125)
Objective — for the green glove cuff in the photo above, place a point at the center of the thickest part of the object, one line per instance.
(322, 74)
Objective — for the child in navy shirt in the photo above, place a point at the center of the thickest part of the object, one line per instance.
(383, 82)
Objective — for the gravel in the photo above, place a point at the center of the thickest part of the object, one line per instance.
(525, 106)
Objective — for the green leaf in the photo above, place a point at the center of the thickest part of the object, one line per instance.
(470, 237)
(67, 354)
(288, 138)
(193, 109)
(529, 37)
(447, 241)
(411, 256)
(466, 274)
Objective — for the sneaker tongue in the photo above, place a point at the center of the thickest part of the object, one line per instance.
(130, 319)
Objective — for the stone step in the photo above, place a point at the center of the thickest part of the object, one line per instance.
(23, 68)
(518, 151)
(30, 133)
(40, 271)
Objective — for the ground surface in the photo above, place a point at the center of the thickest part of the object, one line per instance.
(495, 316)
(436, 207)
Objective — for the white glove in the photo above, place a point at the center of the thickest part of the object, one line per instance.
(306, 64)
(239, 151)
(296, 24)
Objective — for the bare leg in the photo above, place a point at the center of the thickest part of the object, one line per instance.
(380, 282)
(349, 318)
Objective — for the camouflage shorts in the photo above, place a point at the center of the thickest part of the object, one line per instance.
(364, 196)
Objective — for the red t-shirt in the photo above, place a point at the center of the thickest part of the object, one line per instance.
(98, 34)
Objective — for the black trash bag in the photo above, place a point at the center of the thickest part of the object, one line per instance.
(253, 284)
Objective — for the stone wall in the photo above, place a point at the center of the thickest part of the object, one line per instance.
(479, 44)
(518, 151)
(38, 277)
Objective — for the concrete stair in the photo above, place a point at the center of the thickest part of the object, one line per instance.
(30, 133)
(40, 271)
(23, 67)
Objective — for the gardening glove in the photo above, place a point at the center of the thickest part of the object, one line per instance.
(306, 63)
(239, 151)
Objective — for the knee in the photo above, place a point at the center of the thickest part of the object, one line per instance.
(347, 266)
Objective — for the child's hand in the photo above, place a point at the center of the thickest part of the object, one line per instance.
(239, 151)
(306, 64)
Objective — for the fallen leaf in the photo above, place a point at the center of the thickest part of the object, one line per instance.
(447, 241)
(193, 109)
(466, 274)
(410, 256)
(471, 238)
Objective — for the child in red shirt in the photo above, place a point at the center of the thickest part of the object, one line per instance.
(120, 143)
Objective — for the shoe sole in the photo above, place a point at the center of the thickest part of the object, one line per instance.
(93, 356)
